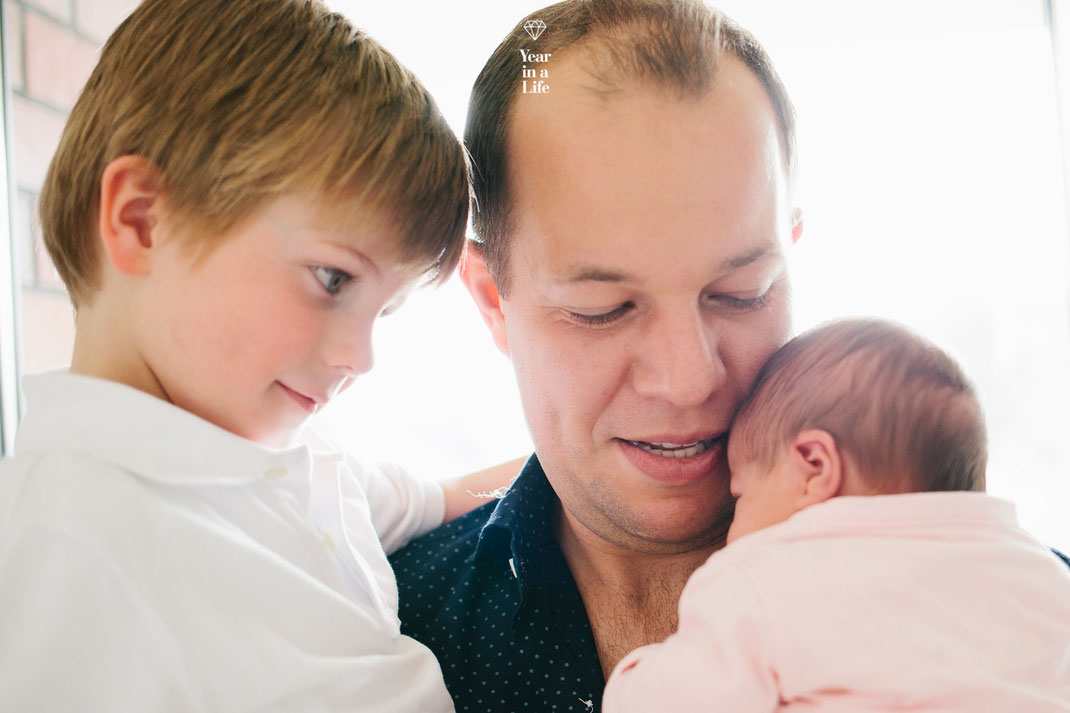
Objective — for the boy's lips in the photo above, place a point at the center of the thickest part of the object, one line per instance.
(308, 403)
(675, 460)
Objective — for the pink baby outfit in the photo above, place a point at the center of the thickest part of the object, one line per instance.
(922, 602)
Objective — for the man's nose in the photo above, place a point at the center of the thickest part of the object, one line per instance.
(679, 360)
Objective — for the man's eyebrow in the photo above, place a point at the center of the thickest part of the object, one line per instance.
(593, 274)
(759, 253)
(585, 273)
(355, 253)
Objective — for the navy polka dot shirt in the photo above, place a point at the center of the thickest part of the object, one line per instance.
(490, 594)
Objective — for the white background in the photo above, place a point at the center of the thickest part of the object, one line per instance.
(933, 193)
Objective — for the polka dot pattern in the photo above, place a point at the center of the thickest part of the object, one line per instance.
(507, 643)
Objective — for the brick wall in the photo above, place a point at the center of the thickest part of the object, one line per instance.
(50, 48)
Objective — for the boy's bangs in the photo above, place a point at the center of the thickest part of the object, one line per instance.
(408, 169)
(237, 103)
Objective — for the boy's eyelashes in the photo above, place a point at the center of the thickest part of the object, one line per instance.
(332, 279)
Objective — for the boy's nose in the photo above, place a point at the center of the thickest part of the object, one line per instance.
(351, 351)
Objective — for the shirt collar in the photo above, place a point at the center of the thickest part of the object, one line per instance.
(522, 523)
(141, 433)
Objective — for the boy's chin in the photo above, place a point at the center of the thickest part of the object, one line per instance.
(276, 437)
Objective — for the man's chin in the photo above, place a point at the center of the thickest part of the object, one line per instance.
(662, 530)
(684, 538)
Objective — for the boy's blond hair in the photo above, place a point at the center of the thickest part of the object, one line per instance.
(896, 404)
(239, 101)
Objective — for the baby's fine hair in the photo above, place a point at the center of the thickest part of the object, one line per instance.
(896, 405)
(236, 102)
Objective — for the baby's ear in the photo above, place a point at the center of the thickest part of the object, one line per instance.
(131, 204)
(796, 225)
(816, 458)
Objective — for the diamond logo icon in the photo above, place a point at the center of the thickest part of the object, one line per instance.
(534, 28)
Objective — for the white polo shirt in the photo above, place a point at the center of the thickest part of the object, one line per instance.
(151, 561)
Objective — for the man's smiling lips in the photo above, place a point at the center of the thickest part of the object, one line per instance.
(675, 450)
(675, 460)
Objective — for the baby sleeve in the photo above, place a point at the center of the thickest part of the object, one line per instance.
(716, 661)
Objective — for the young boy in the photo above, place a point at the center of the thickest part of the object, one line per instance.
(242, 188)
(892, 582)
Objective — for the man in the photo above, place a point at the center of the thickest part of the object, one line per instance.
(633, 203)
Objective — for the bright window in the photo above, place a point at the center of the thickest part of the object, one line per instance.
(933, 193)
(932, 187)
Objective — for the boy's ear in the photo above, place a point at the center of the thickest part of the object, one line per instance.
(131, 197)
(796, 225)
(816, 457)
(476, 277)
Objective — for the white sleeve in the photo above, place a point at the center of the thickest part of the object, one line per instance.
(401, 505)
(79, 632)
(73, 638)
(717, 660)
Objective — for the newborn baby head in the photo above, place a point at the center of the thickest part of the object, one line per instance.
(854, 407)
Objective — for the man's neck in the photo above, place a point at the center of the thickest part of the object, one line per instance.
(631, 596)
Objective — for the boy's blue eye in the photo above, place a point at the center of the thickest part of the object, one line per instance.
(332, 280)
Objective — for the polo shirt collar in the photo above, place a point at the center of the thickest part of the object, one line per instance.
(522, 523)
(141, 433)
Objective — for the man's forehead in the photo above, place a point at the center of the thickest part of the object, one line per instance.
(547, 131)
(616, 188)
(576, 85)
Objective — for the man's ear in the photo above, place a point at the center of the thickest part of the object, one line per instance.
(796, 225)
(131, 198)
(816, 457)
(476, 277)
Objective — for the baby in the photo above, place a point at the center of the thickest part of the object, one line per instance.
(866, 569)
(243, 187)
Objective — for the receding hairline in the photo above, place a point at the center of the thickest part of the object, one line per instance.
(760, 112)
(672, 41)
(579, 61)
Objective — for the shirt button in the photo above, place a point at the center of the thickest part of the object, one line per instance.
(327, 540)
(274, 473)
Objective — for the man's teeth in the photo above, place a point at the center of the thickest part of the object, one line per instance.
(674, 450)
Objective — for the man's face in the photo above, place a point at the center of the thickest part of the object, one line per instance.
(648, 285)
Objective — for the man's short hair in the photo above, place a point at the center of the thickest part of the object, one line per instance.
(670, 44)
(896, 404)
(237, 102)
